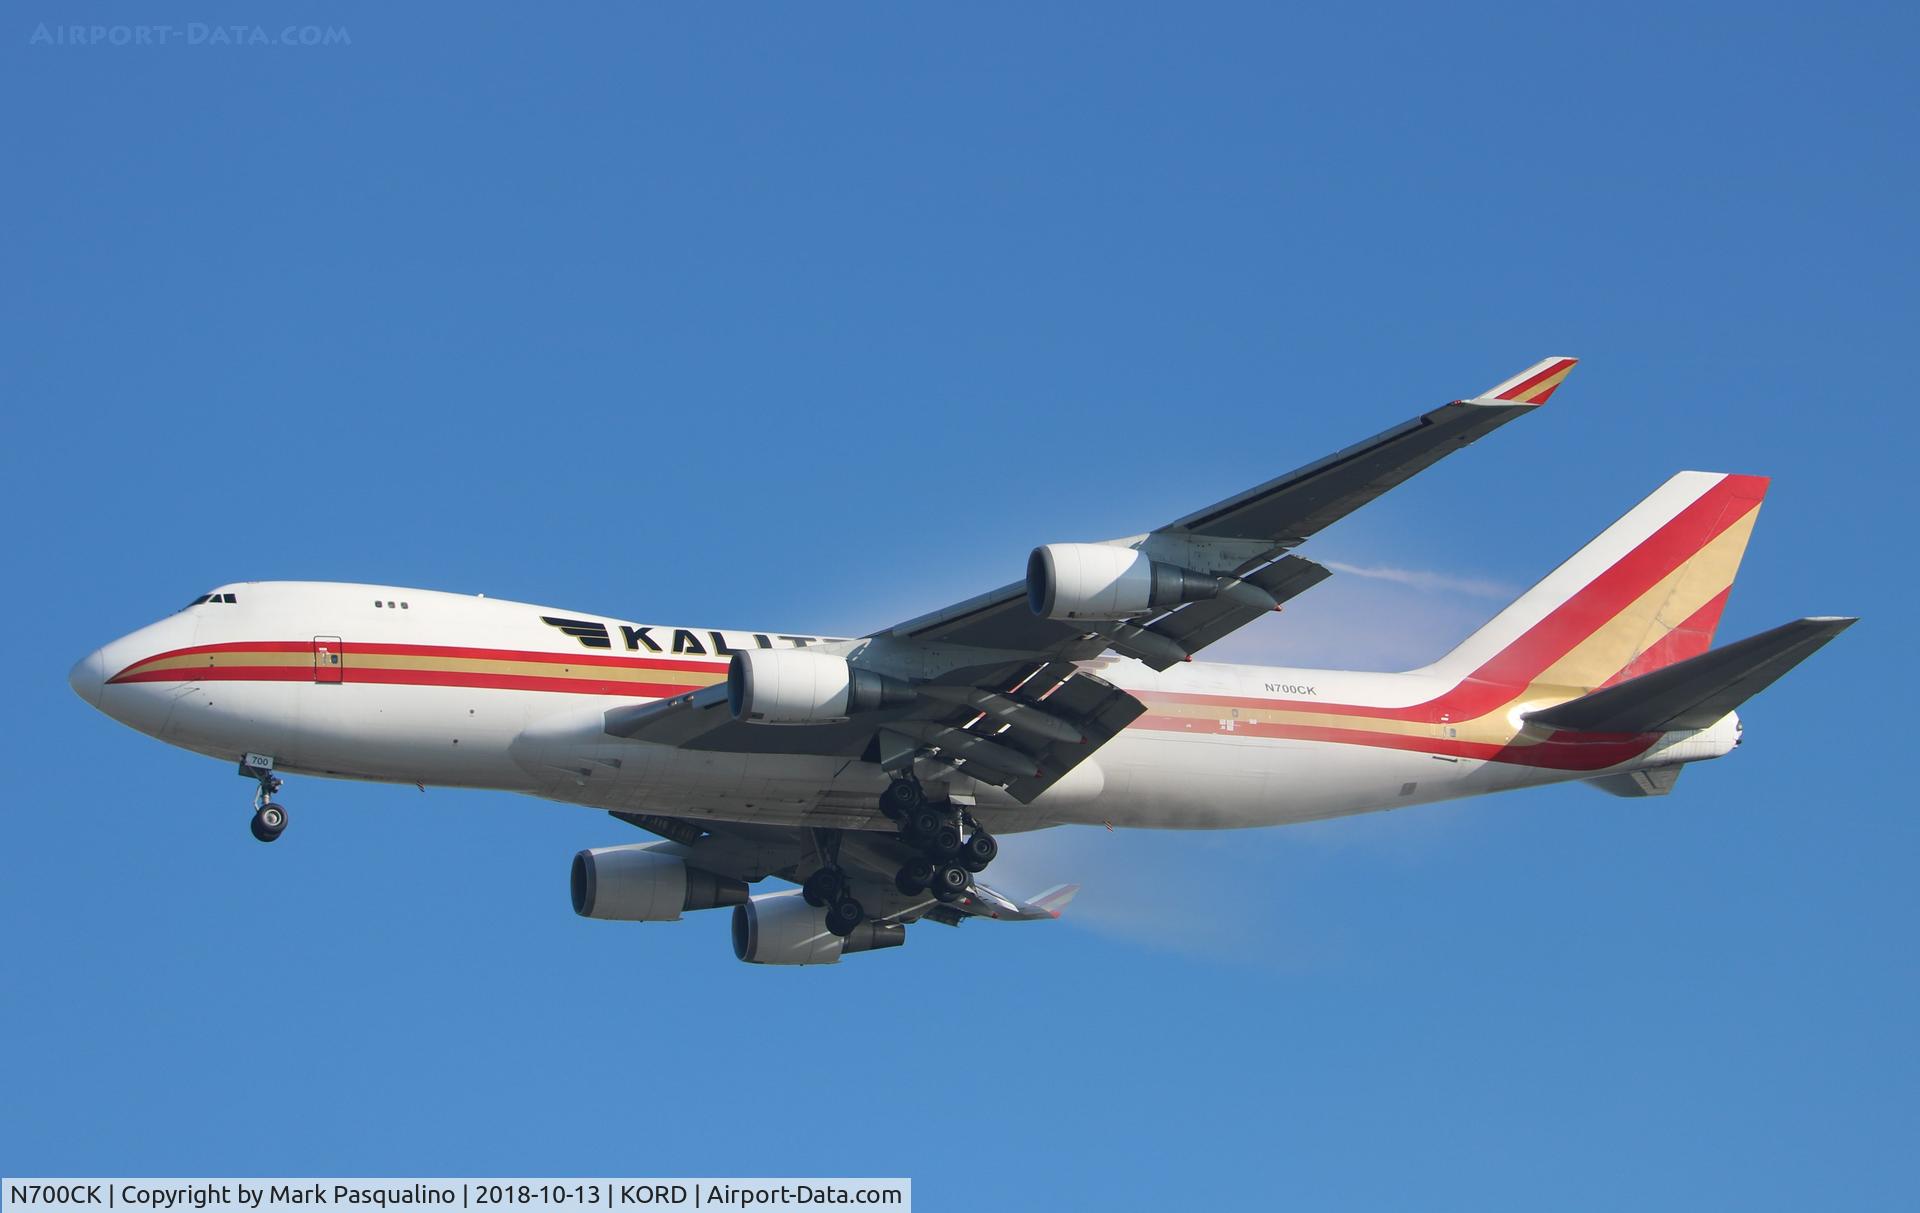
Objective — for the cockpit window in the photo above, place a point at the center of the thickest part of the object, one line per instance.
(205, 598)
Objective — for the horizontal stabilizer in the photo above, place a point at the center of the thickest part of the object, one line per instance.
(1694, 693)
(982, 901)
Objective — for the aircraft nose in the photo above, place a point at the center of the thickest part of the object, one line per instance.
(88, 676)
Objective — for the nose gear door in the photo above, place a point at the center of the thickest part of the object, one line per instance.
(329, 660)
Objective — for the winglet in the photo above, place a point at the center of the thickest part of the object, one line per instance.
(1055, 899)
(1533, 385)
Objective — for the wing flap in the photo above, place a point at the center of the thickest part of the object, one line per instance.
(1096, 708)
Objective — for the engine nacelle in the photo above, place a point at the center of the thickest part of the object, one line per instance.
(639, 884)
(782, 929)
(1693, 745)
(1100, 581)
(799, 686)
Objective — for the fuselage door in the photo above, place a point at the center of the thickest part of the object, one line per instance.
(329, 659)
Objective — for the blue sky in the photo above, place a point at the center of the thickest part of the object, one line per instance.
(815, 317)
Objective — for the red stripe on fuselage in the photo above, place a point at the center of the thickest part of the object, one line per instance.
(1588, 753)
(219, 673)
(439, 678)
(351, 648)
(1559, 752)
(520, 682)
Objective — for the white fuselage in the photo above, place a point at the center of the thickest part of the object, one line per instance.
(416, 686)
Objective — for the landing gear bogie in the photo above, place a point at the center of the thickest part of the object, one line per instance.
(945, 842)
(844, 915)
(829, 888)
(914, 877)
(902, 797)
(824, 887)
(922, 824)
(980, 849)
(951, 847)
(950, 882)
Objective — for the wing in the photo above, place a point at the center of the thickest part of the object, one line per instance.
(1020, 724)
(1248, 535)
(1004, 695)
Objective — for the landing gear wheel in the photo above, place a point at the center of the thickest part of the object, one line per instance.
(823, 887)
(902, 797)
(945, 843)
(913, 879)
(843, 916)
(949, 881)
(979, 851)
(922, 824)
(269, 822)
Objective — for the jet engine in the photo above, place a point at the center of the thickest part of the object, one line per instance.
(782, 929)
(799, 686)
(1100, 581)
(639, 884)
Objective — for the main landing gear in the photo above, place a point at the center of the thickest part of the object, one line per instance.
(948, 857)
(269, 819)
(952, 847)
(829, 887)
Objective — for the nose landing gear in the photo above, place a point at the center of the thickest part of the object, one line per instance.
(269, 819)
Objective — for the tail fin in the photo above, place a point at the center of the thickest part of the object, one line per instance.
(1647, 593)
(1053, 900)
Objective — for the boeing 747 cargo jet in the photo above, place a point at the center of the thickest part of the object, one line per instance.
(878, 773)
